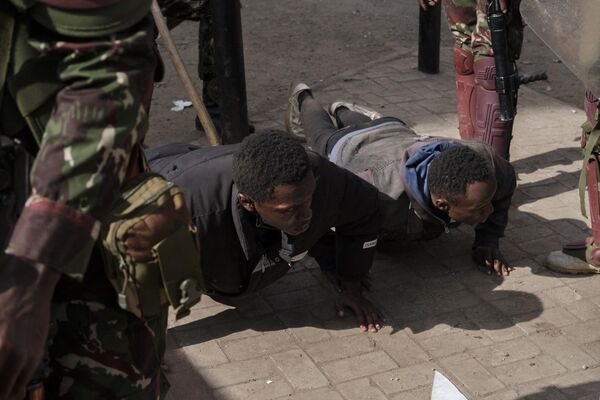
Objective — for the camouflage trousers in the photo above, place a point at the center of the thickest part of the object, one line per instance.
(469, 27)
(177, 11)
(80, 105)
(98, 351)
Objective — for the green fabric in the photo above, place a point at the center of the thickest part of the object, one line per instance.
(591, 143)
(93, 22)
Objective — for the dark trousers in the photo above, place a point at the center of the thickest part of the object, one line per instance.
(321, 133)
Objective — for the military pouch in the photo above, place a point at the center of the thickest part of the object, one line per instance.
(151, 254)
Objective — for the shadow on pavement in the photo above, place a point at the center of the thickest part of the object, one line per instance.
(584, 391)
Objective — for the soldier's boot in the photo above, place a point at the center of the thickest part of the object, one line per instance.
(583, 256)
(465, 91)
(488, 126)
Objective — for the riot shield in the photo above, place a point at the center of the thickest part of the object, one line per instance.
(571, 29)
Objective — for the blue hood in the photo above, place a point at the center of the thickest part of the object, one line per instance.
(417, 168)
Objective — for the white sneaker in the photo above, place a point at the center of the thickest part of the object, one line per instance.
(371, 114)
(292, 114)
(561, 262)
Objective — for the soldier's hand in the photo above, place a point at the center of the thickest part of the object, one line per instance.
(369, 317)
(26, 291)
(492, 260)
(425, 3)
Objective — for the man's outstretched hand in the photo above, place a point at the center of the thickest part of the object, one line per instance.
(492, 259)
(369, 317)
(26, 291)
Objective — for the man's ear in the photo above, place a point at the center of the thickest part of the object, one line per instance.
(441, 204)
(246, 202)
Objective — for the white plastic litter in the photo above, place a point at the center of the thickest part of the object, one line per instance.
(443, 389)
(180, 105)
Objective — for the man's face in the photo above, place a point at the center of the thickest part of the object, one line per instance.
(289, 209)
(474, 207)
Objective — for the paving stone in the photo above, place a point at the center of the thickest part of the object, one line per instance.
(188, 384)
(542, 390)
(358, 366)
(593, 349)
(299, 370)
(548, 319)
(204, 317)
(584, 310)
(239, 372)
(319, 394)
(579, 384)
(342, 326)
(493, 323)
(584, 332)
(561, 349)
(546, 244)
(245, 327)
(360, 389)
(471, 374)
(405, 379)
(563, 295)
(441, 325)
(521, 303)
(399, 346)
(256, 346)
(417, 394)
(586, 286)
(205, 354)
(507, 352)
(528, 370)
(441, 346)
(304, 326)
(256, 390)
(309, 295)
(335, 349)
(253, 307)
(530, 283)
(503, 395)
(290, 282)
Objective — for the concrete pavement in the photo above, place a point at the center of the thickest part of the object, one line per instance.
(535, 335)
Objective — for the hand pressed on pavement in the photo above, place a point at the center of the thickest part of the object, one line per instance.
(26, 290)
(369, 317)
(492, 259)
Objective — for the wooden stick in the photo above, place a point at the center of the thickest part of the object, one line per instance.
(184, 76)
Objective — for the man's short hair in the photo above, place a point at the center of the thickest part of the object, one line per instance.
(453, 170)
(266, 160)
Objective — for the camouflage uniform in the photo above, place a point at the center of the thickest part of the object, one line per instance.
(477, 102)
(469, 26)
(81, 99)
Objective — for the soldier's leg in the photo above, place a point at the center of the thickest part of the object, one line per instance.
(461, 20)
(488, 126)
(99, 351)
(583, 256)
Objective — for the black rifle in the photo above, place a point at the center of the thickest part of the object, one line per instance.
(507, 78)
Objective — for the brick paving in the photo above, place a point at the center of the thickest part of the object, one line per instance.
(535, 335)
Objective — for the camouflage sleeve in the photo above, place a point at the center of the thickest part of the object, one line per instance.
(96, 120)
